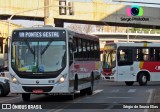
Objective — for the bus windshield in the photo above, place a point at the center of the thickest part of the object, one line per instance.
(109, 56)
(38, 56)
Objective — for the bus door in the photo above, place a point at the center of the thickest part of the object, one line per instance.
(125, 64)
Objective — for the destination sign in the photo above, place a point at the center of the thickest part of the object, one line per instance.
(39, 34)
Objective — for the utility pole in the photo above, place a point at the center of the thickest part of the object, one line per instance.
(48, 13)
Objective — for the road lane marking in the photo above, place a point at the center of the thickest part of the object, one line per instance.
(76, 101)
(150, 96)
(115, 91)
(97, 91)
(111, 106)
(119, 97)
(131, 90)
(149, 99)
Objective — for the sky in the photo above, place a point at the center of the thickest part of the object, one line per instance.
(33, 23)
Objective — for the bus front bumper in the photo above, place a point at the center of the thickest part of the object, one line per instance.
(108, 78)
(39, 89)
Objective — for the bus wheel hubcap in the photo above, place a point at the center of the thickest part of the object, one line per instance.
(144, 79)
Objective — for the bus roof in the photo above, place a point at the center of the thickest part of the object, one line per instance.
(134, 44)
(48, 27)
(40, 28)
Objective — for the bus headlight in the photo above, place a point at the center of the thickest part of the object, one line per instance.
(14, 79)
(62, 78)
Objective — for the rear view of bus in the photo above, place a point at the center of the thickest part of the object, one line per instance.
(109, 62)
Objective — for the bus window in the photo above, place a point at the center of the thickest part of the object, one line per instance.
(125, 57)
(109, 59)
(142, 54)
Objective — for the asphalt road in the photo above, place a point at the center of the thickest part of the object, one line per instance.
(108, 96)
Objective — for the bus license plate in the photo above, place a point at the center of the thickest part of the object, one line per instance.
(37, 91)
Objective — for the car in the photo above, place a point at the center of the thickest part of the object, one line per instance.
(4, 86)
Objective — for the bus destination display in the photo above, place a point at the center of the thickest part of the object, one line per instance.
(39, 34)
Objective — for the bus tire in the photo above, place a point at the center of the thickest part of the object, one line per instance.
(76, 83)
(83, 92)
(7, 92)
(90, 89)
(1, 91)
(142, 79)
(129, 83)
(26, 96)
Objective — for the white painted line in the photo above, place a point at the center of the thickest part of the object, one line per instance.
(119, 97)
(77, 100)
(97, 91)
(131, 90)
(55, 110)
(115, 91)
(111, 106)
(149, 98)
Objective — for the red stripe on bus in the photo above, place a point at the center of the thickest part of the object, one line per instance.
(151, 66)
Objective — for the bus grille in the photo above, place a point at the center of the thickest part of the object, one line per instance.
(31, 88)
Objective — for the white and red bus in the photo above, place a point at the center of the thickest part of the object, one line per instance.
(131, 62)
(50, 60)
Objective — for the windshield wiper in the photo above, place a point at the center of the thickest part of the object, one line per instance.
(29, 47)
(49, 43)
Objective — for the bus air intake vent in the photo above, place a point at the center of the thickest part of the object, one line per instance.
(31, 88)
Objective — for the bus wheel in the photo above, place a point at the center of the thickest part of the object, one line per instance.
(129, 83)
(76, 83)
(7, 92)
(83, 92)
(142, 79)
(1, 91)
(26, 96)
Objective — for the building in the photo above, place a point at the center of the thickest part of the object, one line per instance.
(3, 39)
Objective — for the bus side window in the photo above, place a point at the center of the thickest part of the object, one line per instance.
(140, 56)
(125, 57)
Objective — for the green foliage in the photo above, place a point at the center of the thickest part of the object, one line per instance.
(141, 30)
